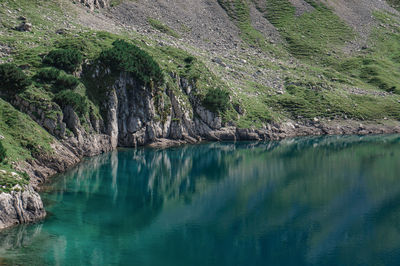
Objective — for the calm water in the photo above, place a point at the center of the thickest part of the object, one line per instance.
(312, 201)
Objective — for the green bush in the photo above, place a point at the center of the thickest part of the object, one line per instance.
(66, 82)
(130, 58)
(59, 78)
(49, 74)
(189, 60)
(216, 100)
(78, 102)
(13, 79)
(65, 59)
(2, 152)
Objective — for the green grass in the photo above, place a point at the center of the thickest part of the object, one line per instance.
(304, 103)
(377, 66)
(158, 25)
(239, 12)
(314, 35)
(42, 99)
(115, 3)
(9, 180)
(23, 138)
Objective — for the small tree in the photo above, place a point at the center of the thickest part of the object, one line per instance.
(2, 152)
(48, 74)
(12, 79)
(65, 59)
(66, 82)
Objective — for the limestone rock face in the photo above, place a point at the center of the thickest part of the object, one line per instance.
(20, 207)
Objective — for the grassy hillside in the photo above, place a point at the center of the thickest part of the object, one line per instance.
(328, 79)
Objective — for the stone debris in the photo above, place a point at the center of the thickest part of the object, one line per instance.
(24, 26)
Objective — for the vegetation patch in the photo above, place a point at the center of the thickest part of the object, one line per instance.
(57, 78)
(66, 82)
(126, 57)
(239, 12)
(158, 25)
(313, 35)
(394, 3)
(12, 79)
(3, 153)
(66, 59)
(306, 103)
(78, 102)
(115, 3)
(377, 66)
(216, 100)
(12, 181)
(23, 138)
(48, 74)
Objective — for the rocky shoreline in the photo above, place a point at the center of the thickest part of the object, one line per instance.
(134, 115)
(27, 207)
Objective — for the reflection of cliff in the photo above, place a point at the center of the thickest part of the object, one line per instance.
(307, 196)
(294, 201)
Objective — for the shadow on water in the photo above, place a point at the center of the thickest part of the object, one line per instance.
(329, 200)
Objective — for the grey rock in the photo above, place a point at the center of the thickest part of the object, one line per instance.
(20, 207)
(24, 26)
(92, 4)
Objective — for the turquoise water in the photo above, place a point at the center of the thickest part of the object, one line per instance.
(311, 201)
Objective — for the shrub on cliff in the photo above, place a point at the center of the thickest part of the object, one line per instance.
(66, 82)
(13, 79)
(78, 102)
(60, 79)
(48, 74)
(130, 58)
(216, 100)
(2, 152)
(65, 59)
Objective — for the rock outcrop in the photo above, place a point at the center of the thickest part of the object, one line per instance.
(92, 4)
(24, 26)
(20, 207)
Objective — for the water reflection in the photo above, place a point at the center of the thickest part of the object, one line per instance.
(329, 200)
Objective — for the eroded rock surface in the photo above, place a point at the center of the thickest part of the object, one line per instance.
(20, 207)
(92, 4)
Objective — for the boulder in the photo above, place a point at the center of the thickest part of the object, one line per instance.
(24, 26)
(19, 207)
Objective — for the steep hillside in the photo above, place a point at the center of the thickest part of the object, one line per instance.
(79, 78)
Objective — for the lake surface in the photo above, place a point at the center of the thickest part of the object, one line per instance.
(310, 201)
